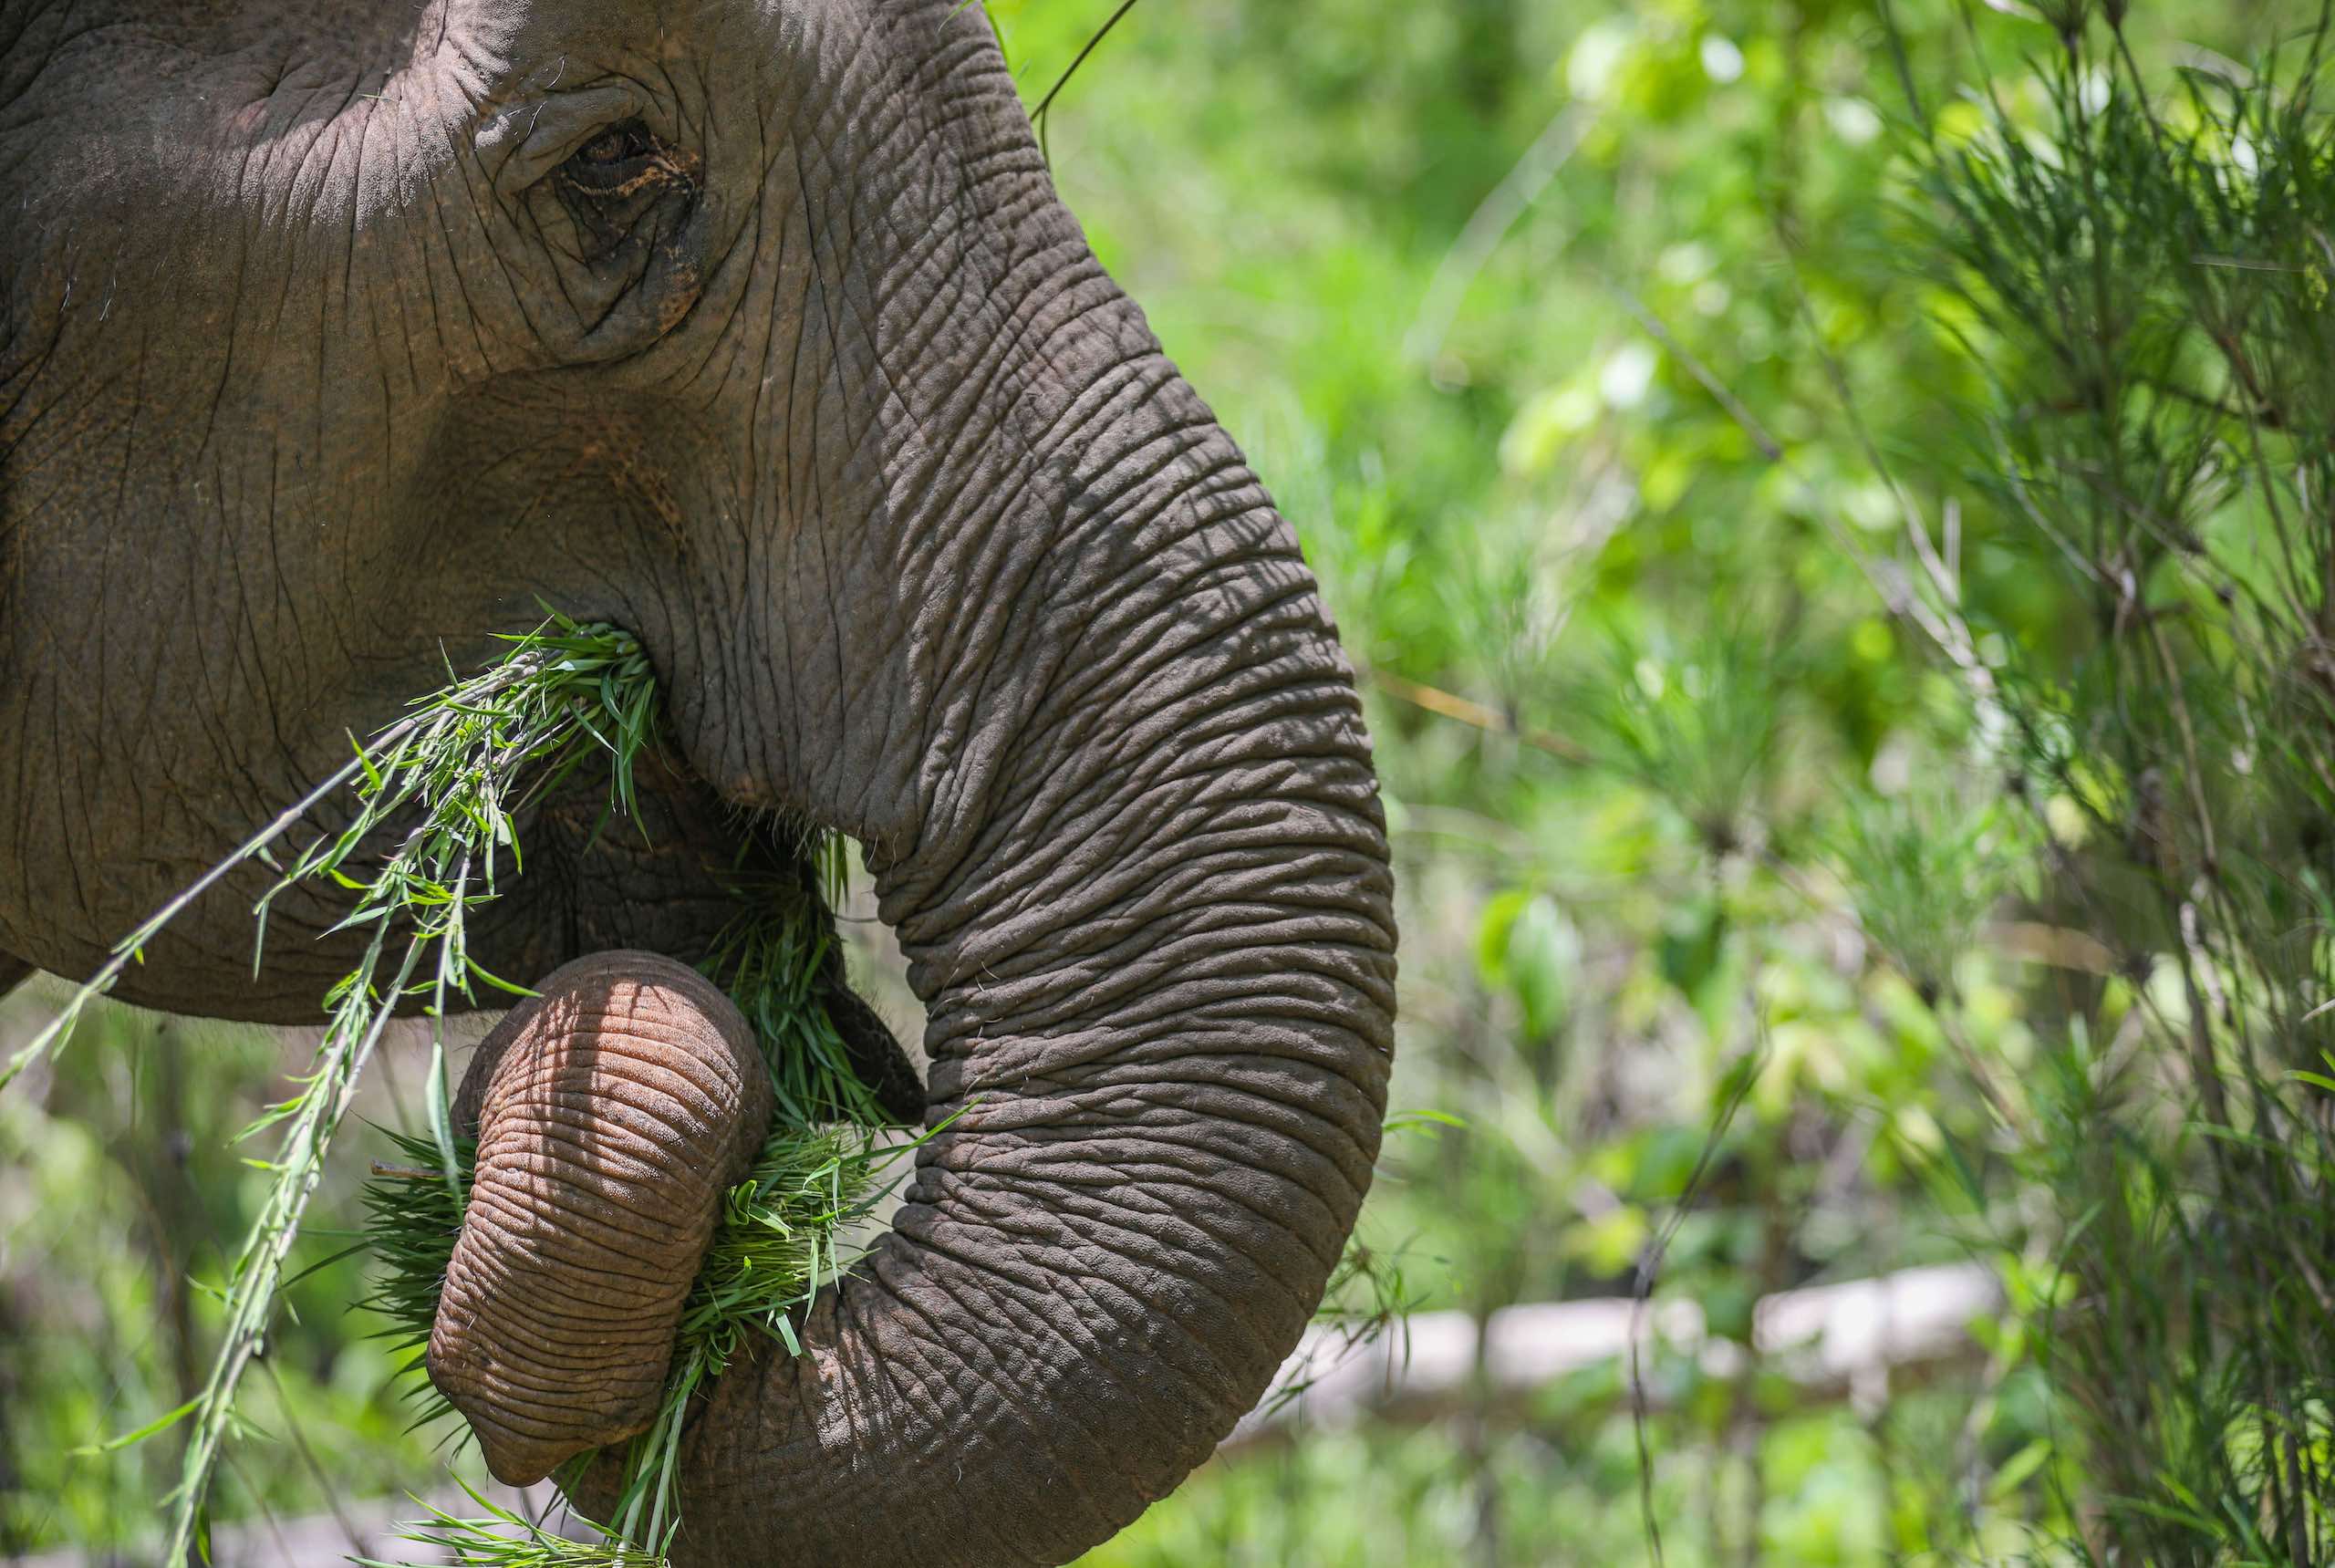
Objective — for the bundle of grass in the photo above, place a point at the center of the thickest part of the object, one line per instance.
(775, 1244)
(453, 776)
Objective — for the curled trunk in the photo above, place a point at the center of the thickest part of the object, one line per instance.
(610, 1111)
(1149, 916)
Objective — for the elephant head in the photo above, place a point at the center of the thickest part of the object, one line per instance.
(335, 336)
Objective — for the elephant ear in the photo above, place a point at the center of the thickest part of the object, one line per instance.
(14, 973)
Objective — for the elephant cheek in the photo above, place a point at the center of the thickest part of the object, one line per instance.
(611, 1112)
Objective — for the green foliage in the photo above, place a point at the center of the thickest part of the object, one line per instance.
(2147, 285)
(1924, 871)
(501, 1539)
(774, 1242)
(769, 961)
(1828, 504)
(413, 1218)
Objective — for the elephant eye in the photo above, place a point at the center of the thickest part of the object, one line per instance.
(617, 144)
(624, 187)
(617, 158)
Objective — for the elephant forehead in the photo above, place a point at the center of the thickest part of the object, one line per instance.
(332, 113)
(162, 83)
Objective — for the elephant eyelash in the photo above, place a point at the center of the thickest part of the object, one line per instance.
(617, 144)
(624, 160)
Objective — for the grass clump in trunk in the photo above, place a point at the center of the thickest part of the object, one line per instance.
(774, 1243)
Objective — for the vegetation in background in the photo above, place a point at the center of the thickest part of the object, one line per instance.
(2148, 288)
(1829, 501)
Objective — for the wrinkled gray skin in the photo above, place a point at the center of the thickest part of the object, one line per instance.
(335, 333)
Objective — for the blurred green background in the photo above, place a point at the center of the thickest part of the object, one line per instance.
(1594, 354)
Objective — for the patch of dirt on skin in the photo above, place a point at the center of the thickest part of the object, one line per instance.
(671, 166)
(685, 287)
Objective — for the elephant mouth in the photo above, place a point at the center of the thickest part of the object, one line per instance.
(679, 875)
(670, 878)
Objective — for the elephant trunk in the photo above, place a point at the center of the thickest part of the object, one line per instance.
(610, 1111)
(1147, 903)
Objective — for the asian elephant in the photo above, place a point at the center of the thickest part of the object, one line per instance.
(336, 335)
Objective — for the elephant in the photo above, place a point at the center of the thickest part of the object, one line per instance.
(337, 337)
